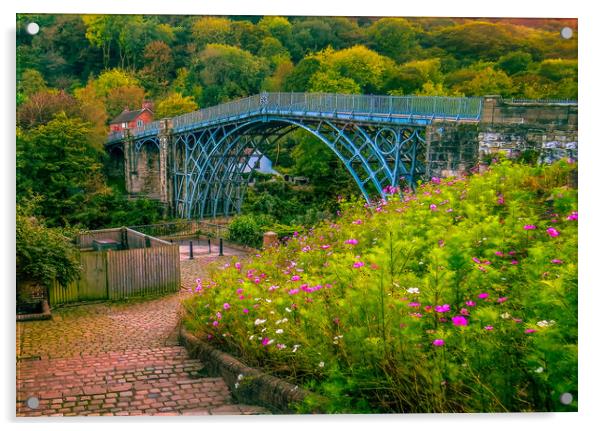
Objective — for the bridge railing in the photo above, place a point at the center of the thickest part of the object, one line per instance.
(431, 107)
(325, 104)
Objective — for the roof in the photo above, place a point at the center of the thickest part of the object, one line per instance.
(127, 116)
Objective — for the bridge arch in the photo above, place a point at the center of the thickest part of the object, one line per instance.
(202, 184)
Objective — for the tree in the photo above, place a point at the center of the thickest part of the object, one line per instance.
(111, 79)
(227, 72)
(59, 162)
(364, 66)
(93, 110)
(278, 27)
(101, 31)
(31, 82)
(487, 81)
(175, 104)
(411, 76)
(394, 37)
(515, 62)
(278, 78)
(299, 78)
(43, 255)
(558, 69)
(158, 67)
(211, 29)
(119, 98)
(481, 40)
(42, 106)
(331, 81)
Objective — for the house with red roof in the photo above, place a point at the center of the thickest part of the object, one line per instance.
(131, 119)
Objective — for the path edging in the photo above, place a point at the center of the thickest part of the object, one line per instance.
(46, 314)
(248, 385)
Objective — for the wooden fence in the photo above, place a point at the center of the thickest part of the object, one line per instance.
(147, 266)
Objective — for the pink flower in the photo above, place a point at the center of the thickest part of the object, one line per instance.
(237, 265)
(215, 323)
(514, 262)
(552, 232)
(556, 261)
(306, 249)
(471, 303)
(500, 200)
(414, 304)
(529, 227)
(442, 308)
(280, 346)
(418, 315)
(572, 216)
(325, 247)
(436, 180)
(433, 207)
(459, 321)
(358, 264)
(293, 291)
(464, 312)
(438, 342)
(488, 328)
(351, 241)
(265, 341)
(295, 278)
(239, 291)
(226, 306)
(502, 299)
(499, 253)
(246, 311)
(476, 260)
(483, 295)
(530, 331)
(218, 315)
(358, 221)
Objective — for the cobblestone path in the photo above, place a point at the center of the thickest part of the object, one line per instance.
(116, 359)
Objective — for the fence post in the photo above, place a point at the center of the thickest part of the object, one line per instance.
(209, 244)
(221, 247)
(190, 251)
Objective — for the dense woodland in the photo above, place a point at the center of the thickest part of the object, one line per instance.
(80, 71)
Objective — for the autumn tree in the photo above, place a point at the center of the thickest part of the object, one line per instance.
(175, 104)
(211, 29)
(119, 98)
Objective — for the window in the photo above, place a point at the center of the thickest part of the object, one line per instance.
(124, 125)
(139, 123)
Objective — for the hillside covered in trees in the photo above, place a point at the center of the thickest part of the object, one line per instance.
(80, 71)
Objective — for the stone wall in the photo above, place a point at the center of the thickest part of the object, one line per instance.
(542, 132)
(145, 177)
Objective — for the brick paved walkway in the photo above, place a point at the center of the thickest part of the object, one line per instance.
(116, 359)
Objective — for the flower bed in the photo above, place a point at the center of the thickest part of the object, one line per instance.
(461, 297)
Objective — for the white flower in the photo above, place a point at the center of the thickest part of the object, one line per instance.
(259, 321)
(413, 290)
(421, 263)
(264, 329)
(321, 364)
(544, 323)
(251, 337)
(505, 315)
(288, 310)
(284, 320)
(279, 331)
(268, 300)
(236, 385)
(295, 347)
(240, 377)
(539, 370)
(270, 342)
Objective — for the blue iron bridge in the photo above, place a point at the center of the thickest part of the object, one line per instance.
(196, 162)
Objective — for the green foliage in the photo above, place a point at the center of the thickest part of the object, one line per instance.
(515, 62)
(249, 229)
(59, 162)
(31, 82)
(353, 309)
(227, 72)
(43, 254)
(394, 37)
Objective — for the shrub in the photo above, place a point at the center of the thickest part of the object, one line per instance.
(461, 297)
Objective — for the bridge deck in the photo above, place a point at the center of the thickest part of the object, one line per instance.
(414, 110)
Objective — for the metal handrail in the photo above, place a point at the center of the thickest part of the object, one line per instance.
(324, 104)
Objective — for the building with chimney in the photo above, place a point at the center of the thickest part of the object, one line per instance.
(131, 119)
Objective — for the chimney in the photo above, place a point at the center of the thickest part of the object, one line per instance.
(147, 104)
(126, 108)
